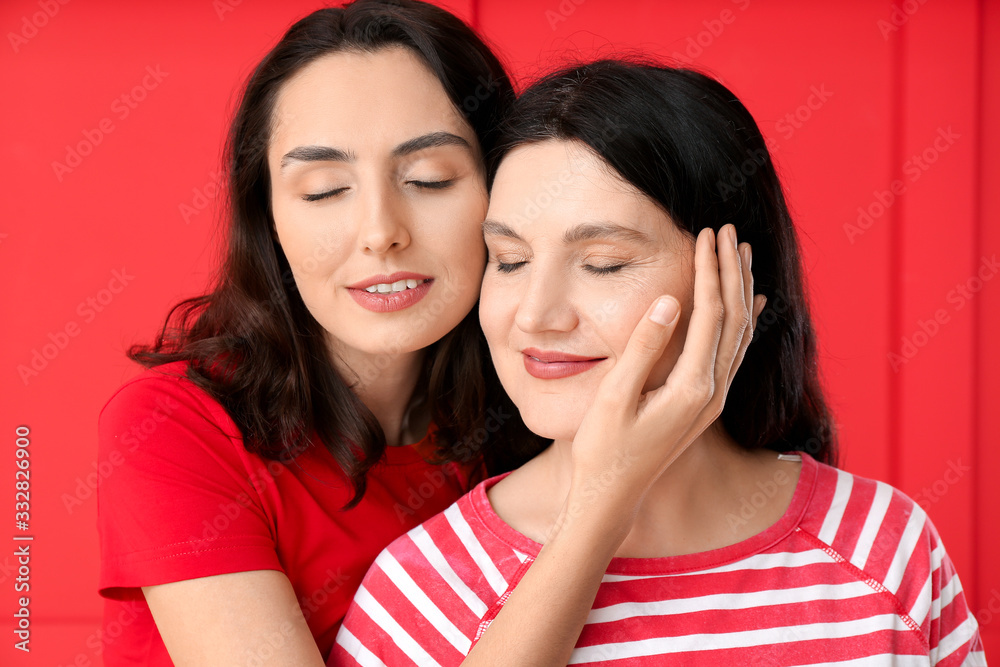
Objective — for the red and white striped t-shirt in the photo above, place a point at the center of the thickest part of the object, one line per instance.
(853, 573)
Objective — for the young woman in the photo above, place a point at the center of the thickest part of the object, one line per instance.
(745, 546)
(334, 388)
(282, 435)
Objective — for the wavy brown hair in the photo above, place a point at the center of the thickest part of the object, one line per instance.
(252, 344)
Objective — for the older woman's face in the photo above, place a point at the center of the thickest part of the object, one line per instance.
(576, 256)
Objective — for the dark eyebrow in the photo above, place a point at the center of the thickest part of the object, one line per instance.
(431, 140)
(317, 154)
(494, 228)
(581, 232)
(330, 154)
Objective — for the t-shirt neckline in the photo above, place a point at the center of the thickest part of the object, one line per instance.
(669, 564)
(417, 452)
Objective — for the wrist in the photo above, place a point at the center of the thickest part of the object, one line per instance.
(596, 517)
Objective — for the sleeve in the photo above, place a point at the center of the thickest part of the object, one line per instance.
(954, 632)
(178, 500)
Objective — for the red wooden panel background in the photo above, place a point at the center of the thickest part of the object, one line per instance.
(882, 113)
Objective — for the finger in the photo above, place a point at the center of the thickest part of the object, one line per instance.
(644, 348)
(737, 313)
(746, 259)
(759, 302)
(693, 374)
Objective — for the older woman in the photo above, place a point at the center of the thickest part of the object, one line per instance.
(742, 544)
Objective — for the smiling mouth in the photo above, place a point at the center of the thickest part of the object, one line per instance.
(393, 288)
(390, 297)
(556, 365)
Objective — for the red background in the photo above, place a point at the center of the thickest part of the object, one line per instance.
(894, 76)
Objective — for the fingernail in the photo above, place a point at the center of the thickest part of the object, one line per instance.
(665, 311)
(732, 232)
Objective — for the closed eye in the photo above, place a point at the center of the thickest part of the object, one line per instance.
(509, 268)
(323, 195)
(432, 185)
(603, 270)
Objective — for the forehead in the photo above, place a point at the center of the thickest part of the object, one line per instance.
(555, 184)
(362, 99)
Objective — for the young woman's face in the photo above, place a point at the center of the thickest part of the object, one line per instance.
(576, 256)
(377, 192)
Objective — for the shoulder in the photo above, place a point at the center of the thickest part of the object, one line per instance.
(155, 401)
(161, 388)
(160, 425)
(851, 513)
(427, 550)
(425, 594)
(455, 550)
(885, 538)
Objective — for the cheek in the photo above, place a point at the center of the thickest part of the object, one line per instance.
(615, 319)
(311, 251)
(613, 316)
(294, 229)
(453, 228)
(496, 312)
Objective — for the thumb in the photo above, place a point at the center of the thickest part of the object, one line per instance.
(645, 347)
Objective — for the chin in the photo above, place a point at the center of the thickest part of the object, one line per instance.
(553, 420)
(392, 345)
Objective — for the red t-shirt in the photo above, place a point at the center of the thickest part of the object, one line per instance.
(186, 500)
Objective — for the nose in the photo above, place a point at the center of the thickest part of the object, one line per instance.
(384, 222)
(546, 301)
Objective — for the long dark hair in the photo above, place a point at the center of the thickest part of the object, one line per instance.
(687, 142)
(252, 344)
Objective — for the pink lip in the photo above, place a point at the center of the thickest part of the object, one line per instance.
(388, 303)
(552, 365)
(382, 278)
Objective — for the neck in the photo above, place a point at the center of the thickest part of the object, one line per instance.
(387, 385)
(698, 504)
